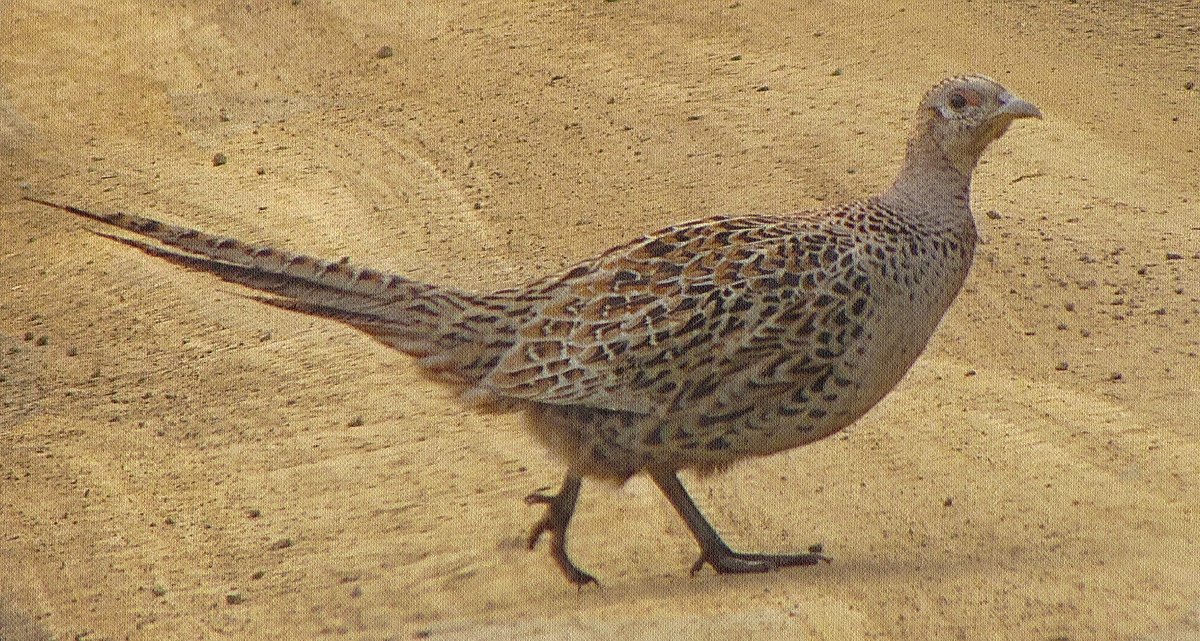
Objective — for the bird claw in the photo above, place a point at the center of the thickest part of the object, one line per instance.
(558, 513)
(539, 497)
(729, 562)
(579, 577)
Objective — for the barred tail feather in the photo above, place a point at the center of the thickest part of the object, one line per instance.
(335, 275)
(456, 335)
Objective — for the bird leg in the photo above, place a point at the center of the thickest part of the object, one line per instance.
(713, 550)
(559, 508)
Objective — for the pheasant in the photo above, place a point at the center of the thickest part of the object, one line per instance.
(691, 347)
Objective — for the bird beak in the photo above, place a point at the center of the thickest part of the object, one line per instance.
(1016, 108)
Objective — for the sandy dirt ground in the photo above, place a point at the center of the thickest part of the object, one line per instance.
(179, 462)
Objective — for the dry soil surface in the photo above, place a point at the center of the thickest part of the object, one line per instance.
(179, 462)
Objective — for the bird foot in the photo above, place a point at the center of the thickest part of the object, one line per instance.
(726, 561)
(558, 513)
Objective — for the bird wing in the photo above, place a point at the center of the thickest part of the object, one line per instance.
(708, 317)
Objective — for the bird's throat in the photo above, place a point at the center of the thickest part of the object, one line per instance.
(932, 179)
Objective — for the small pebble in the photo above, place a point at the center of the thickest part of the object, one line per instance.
(1062, 366)
(233, 597)
(385, 52)
(219, 159)
(357, 421)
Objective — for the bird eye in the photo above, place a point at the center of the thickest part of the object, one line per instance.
(957, 101)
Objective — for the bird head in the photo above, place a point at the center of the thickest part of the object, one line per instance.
(962, 115)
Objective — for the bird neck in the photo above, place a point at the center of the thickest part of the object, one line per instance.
(931, 183)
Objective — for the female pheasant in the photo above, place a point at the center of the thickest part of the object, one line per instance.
(689, 348)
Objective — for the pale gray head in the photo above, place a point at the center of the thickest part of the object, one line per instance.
(963, 114)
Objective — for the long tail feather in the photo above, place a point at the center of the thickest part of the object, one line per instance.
(440, 325)
(330, 274)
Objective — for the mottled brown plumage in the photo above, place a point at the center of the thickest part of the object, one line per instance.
(689, 348)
